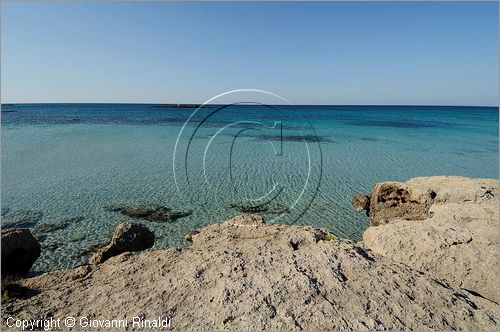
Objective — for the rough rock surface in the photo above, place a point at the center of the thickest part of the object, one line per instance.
(246, 275)
(445, 226)
(126, 237)
(361, 203)
(390, 200)
(19, 251)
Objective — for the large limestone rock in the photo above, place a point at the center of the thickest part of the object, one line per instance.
(245, 274)
(19, 251)
(445, 226)
(391, 200)
(126, 237)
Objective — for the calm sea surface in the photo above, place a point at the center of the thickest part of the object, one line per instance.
(63, 161)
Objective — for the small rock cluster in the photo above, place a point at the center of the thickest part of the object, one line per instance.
(21, 247)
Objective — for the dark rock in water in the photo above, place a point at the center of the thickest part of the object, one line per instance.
(22, 219)
(361, 203)
(262, 208)
(294, 138)
(164, 214)
(150, 212)
(49, 228)
(126, 237)
(19, 251)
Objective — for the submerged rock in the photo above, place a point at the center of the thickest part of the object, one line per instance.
(19, 251)
(245, 274)
(446, 226)
(294, 138)
(150, 212)
(262, 208)
(49, 228)
(21, 219)
(126, 237)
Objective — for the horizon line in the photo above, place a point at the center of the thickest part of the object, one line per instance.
(201, 104)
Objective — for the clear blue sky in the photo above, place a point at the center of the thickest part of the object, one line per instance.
(309, 53)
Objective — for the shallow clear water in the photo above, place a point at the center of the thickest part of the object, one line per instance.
(69, 160)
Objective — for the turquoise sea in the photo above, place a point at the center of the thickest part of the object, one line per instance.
(63, 164)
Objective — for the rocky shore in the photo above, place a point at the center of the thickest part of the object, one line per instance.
(429, 261)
